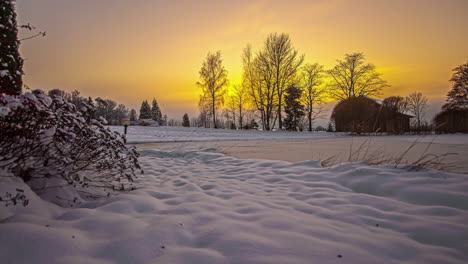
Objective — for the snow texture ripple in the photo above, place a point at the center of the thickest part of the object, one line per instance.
(205, 207)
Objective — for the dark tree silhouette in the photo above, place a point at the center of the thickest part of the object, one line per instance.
(313, 94)
(239, 98)
(213, 81)
(416, 105)
(395, 104)
(185, 120)
(11, 63)
(351, 77)
(145, 110)
(133, 115)
(457, 98)
(454, 115)
(293, 108)
(156, 114)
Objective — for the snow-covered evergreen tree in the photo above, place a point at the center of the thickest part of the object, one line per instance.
(11, 63)
(145, 110)
(156, 114)
(185, 120)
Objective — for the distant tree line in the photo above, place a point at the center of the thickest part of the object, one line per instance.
(110, 110)
(281, 91)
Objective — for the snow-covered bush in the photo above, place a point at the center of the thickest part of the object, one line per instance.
(50, 144)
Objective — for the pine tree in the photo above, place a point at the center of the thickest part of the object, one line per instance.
(457, 98)
(145, 110)
(133, 115)
(11, 63)
(330, 127)
(156, 114)
(185, 120)
(293, 108)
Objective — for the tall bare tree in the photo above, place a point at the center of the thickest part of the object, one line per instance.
(353, 77)
(284, 61)
(417, 105)
(239, 95)
(258, 81)
(313, 92)
(213, 82)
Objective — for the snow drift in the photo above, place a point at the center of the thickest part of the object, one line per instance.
(205, 207)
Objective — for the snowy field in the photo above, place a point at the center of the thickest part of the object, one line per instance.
(304, 146)
(195, 205)
(206, 207)
(140, 134)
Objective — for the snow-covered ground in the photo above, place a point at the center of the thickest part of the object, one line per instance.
(198, 205)
(206, 207)
(303, 146)
(147, 134)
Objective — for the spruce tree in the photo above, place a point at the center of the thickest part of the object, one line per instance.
(133, 115)
(156, 114)
(330, 127)
(11, 63)
(145, 110)
(293, 108)
(457, 98)
(185, 120)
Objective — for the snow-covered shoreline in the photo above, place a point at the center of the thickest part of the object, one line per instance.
(206, 207)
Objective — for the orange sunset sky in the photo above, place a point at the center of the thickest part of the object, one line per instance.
(131, 50)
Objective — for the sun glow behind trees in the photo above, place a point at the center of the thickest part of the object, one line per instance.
(133, 50)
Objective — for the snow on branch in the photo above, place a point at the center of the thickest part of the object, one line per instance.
(47, 142)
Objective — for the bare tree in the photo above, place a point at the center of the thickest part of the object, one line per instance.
(213, 80)
(417, 105)
(239, 94)
(258, 81)
(231, 111)
(352, 77)
(284, 61)
(313, 94)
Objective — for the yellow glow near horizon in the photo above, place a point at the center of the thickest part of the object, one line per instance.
(136, 50)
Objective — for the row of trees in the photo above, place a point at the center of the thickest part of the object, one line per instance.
(274, 69)
(110, 110)
(150, 112)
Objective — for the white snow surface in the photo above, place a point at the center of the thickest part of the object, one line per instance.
(206, 207)
(148, 134)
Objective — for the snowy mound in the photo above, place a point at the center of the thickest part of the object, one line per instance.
(205, 207)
